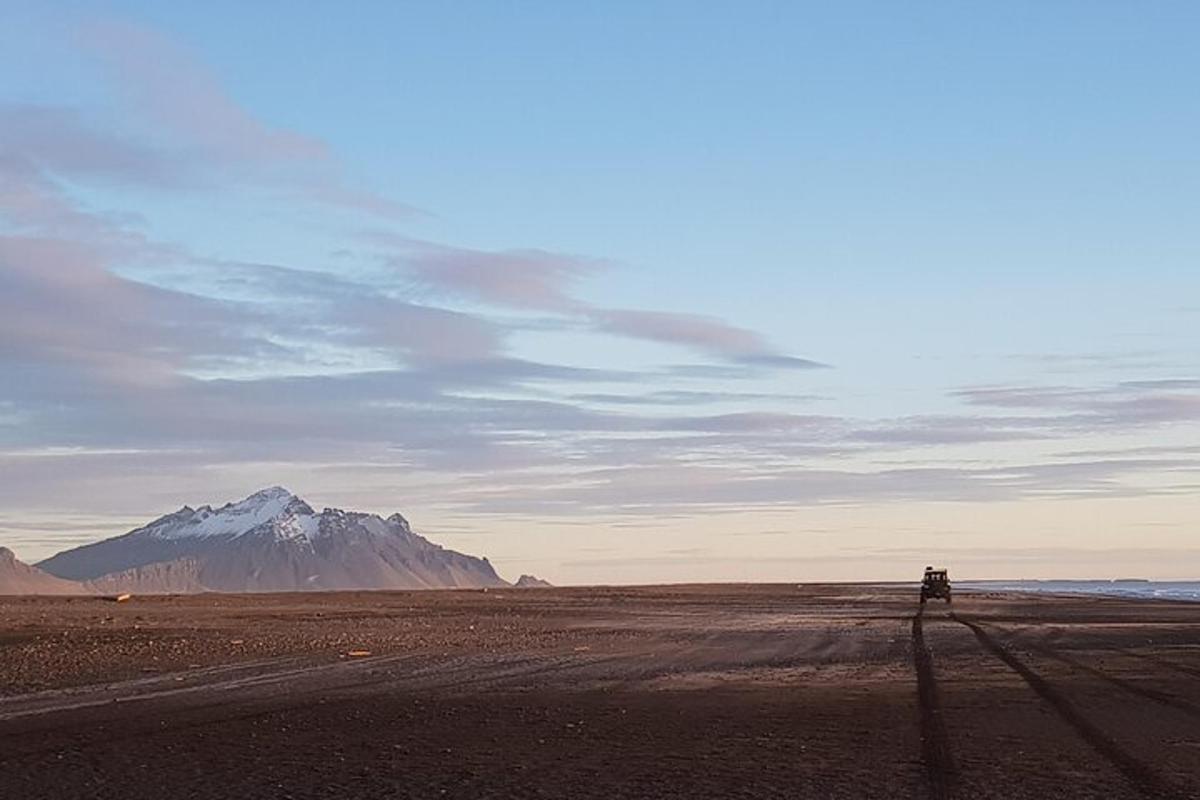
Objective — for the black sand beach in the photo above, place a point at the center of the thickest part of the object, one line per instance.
(682, 691)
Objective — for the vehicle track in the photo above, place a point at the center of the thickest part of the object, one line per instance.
(444, 677)
(298, 676)
(1164, 662)
(1178, 703)
(1138, 773)
(260, 674)
(936, 754)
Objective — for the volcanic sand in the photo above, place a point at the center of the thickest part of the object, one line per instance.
(684, 691)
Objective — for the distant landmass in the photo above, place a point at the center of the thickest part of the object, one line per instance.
(272, 541)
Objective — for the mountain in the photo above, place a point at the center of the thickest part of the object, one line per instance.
(272, 541)
(531, 582)
(17, 577)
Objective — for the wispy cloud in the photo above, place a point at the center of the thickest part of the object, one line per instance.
(704, 334)
(1052, 397)
(1129, 403)
(173, 87)
(543, 281)
(685, 397)
(522, 279)
(212, 136)
(58, 140)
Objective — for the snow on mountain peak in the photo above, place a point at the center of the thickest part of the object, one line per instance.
(287, 514)
(274, 511)
(271, 494)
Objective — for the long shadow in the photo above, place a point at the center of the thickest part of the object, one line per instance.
(936, 755)
(1140, 774)
(1164, 698)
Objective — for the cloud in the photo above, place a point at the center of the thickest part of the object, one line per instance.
(752, 422)
(690, 330)
(692, 487)
(1025, 396)
(684, 397)
(61, 303)
(1131, 452)
(1060, 363)
(114, 330)
(57, 140)
(956, 429)
(778, 361)
(211, 135)
(31, 201)
(541, 280)
(1124, 404)
(177, 91)
(522, 279)
(704, 334)
(1163, 383)
(1150, 409)
(501, 454)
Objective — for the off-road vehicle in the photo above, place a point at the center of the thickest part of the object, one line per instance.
(935, 584)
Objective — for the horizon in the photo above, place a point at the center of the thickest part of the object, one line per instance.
(968, 580)
(659, 294)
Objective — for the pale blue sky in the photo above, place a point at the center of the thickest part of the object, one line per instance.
(435, 212)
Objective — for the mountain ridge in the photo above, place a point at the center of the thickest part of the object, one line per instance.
(271, 540)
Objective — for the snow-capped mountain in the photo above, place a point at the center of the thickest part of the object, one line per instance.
(271, 541)
(284, 514)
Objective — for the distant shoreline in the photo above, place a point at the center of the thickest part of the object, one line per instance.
(1131, 588)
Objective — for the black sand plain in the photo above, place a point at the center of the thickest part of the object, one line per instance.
(707, 691)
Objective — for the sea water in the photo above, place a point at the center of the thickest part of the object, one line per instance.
(1151, 590)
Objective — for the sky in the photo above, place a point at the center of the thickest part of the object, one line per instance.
(613, 293)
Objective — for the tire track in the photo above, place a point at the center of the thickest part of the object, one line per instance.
(936, 754)
(1141, 775)
(297, 675)
(1166, 699)
(1165, 662)
(140, 721)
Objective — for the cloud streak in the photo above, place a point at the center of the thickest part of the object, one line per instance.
(542, 281)
(521, 279)
(59, 140)
(213, 138)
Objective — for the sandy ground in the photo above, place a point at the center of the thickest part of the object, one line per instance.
(687, 692)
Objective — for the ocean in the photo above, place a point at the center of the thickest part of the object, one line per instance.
(1151, 590)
